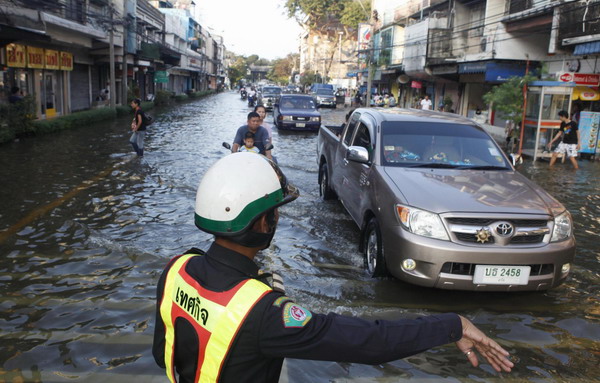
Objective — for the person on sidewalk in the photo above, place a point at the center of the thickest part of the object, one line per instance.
(570, 142)
(138, 126)
(219, 319)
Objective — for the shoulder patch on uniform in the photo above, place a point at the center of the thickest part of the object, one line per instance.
(295, 316)
(281, 300)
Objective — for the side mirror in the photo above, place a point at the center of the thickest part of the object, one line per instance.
(269, 147)
(276, 105)
(516, 159)
(226, 145)
(358, 154)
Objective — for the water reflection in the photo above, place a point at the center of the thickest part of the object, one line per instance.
(77, 282)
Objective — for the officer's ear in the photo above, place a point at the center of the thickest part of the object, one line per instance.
(267, 222)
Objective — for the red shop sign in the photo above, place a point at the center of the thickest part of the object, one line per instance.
(589, 79)
(416, 84)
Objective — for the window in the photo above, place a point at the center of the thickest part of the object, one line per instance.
(363, 138)
(351, 127)
(476, 20)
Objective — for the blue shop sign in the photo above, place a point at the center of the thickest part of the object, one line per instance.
(499, 72)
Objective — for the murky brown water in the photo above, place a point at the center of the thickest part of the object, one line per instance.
(86, 231)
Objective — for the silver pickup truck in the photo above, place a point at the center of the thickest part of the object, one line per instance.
(439, 204)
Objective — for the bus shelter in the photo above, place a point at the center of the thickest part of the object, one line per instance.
(544, 100)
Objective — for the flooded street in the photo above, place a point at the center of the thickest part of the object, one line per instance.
(86, 229)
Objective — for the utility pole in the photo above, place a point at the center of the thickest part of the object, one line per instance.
(370, 57)
(124, 62)
(112, 94)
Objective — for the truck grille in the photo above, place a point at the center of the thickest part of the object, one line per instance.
(485, 231)
(469, 268)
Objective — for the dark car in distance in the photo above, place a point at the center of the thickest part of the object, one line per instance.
(268, 96)
(296, 112)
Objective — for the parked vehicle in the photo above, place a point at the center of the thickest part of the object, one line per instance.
(439, 204)
(296, 112)
(325, 97)
(269, 96)
(243, 94)
(317, 86)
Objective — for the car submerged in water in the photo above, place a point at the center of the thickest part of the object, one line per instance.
(439, 204)
(296, 112)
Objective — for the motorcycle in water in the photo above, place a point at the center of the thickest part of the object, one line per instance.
(252, 101)
(243, 94)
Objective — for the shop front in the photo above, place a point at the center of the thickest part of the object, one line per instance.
(576, 93)
(43, 73)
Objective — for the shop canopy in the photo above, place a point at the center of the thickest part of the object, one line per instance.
(585, 93)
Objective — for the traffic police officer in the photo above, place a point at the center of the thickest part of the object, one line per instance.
(218, 319)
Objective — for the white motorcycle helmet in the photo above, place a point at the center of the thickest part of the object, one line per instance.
(236, 191)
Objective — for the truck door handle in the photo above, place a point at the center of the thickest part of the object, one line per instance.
(346, 161)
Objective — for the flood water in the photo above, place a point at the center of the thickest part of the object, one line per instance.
(86, 229)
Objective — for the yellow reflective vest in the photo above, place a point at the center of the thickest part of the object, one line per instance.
(215, 316)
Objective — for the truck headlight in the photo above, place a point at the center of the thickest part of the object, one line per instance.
(317, 119)
(287, 118)
(421, 222)
(563, 227)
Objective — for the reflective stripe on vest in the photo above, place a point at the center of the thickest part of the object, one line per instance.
(216, 317)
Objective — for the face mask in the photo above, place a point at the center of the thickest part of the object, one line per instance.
(256, 239)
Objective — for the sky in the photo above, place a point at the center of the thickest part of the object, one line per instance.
(251, 27)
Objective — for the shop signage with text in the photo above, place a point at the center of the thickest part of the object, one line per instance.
(21, 56)
(589, 79)
(16, 56)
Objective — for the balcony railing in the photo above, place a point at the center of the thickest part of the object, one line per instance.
(578, 19)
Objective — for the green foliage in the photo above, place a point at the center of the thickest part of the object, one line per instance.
(322, 12)
(74, 120)
(200, 94)
(181, 97)
(282, 69)
(310, 77)
(16, 119)
(123, 110)
(508, 97)
(162, 98)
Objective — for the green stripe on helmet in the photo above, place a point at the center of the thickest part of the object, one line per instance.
(246, 216)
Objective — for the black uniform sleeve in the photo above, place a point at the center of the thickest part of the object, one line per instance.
(340, 338)
(158, 346)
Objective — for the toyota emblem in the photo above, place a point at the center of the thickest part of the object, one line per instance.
(504, 229)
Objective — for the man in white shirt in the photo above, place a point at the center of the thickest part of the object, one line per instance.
(426, 103)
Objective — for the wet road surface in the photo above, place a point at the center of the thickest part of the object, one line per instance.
(86, 228)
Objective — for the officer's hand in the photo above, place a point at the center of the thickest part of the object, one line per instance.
(473, 339)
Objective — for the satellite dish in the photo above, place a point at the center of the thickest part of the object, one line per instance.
(403, 79)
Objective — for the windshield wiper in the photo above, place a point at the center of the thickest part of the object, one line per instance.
(484, 167)
(439, 165)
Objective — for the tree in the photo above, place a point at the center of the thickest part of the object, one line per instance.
(328, 17)
(237, 70)
(283, 68)
(508, 98)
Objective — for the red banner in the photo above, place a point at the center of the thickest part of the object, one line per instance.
(589, 79)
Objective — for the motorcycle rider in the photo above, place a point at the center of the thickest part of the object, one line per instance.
(252, 97)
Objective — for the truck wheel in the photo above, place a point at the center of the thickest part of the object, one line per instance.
(374, 258)
(325, 190)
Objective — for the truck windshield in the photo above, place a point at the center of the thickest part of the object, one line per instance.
(324, 92)
(435, 145)
(272, 90)
(297, 103)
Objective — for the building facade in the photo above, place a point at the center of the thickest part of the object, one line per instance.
(61, 52)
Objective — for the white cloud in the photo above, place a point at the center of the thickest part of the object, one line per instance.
(251, 27)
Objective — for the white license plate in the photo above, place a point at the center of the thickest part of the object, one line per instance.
(300, 125)
(501, 275)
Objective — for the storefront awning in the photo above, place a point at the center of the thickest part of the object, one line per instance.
(585, 93)
(587, 48)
